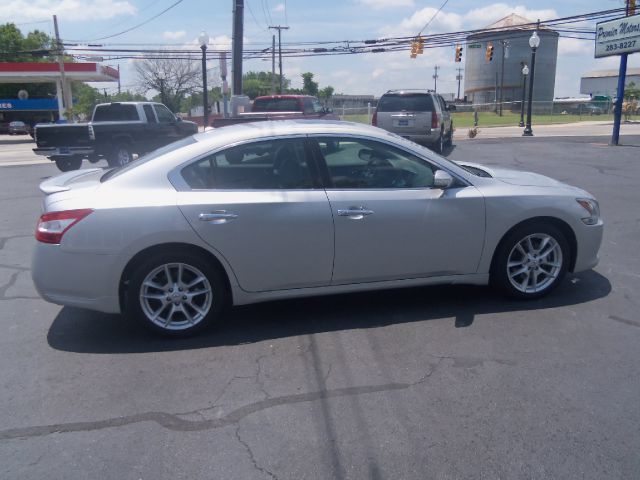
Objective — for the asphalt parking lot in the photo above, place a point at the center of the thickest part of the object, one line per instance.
(439, 382)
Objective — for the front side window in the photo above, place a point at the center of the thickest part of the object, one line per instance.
(270, 164)
(164, 114)
(361, 163)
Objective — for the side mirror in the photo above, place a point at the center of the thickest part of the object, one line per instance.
(442, 179)
(178, 119)
(451, 108)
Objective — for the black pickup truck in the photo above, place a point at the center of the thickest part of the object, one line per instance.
(116, 132)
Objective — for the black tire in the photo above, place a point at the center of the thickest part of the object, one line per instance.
(439, 146)
(523, 280)
(119, 156)
(178, 299)
(66, 164)
(449, 141)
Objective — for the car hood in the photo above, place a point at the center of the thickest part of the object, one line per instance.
(516, 177)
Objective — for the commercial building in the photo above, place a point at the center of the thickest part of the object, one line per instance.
(605, 82)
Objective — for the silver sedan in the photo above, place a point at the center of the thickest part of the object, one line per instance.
(286, 209)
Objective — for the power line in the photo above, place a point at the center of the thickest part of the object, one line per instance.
(434, 16)
(142, 23)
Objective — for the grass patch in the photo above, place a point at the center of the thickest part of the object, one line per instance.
(490, 119)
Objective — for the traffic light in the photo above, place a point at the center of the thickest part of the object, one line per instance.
(458, 53)
(417, 47)
(489, 54)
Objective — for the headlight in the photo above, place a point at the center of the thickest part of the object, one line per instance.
(592, 208)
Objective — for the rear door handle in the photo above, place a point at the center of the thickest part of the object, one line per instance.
(356, 213)
(219, 216)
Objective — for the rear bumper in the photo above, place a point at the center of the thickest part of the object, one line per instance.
(63, 151)
(76, 279)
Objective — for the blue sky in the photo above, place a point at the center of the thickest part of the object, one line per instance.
(316, 21)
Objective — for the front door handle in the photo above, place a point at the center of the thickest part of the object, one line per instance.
(355, 213)
(216, 217)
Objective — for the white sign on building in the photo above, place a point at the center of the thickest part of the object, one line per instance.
(615, 37)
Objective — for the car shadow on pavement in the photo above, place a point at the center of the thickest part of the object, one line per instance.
(84, 331)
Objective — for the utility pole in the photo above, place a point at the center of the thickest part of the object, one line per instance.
(238, 27)
(280, 28)
(162, 91)
(505, 44)
(273, 64)
(458, 78)
(63, 104)
(622, 73)
(435, 78)
(118, 79)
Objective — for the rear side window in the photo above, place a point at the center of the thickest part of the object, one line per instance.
(148, 111)
(115, 112)
(405, 103)
(276, 105)
(270, 165)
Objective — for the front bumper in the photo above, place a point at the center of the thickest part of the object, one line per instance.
(589, 239)
(84, 280)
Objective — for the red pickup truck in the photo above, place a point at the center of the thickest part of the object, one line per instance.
(279, 107)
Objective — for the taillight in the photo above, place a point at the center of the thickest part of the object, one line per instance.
(52, 226)
(374, 119)
(434, 120)
(92, 133)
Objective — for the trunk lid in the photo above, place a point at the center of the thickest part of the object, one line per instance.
(78, 179)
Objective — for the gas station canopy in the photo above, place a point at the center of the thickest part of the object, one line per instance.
(18, 72)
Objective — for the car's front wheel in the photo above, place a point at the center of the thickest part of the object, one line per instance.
(531, 261)
(175, 294)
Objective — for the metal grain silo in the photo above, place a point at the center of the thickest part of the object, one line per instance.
(482, 78)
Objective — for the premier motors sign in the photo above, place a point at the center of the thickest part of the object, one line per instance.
(618, 36)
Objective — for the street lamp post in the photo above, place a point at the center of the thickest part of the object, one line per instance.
(534, 43)
(204, 41)
(525, 72)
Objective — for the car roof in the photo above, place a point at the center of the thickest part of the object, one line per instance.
(289, 97)
(254, 130)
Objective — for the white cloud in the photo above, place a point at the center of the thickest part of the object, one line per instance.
(69, 10)
(380, 4)
(279, 8)
(443, 22)
(174, 35)
(574, 46)
(482, 17)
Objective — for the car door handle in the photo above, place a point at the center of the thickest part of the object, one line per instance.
(355, 213)
(219, 216)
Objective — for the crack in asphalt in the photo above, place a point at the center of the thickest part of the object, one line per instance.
(251, 456)
(175, 423)
(3, 240)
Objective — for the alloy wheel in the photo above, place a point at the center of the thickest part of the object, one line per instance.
(534, 263)
(176, 296)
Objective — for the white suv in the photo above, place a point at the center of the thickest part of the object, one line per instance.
(419, 115)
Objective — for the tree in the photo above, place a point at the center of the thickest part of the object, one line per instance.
(255, 84)
(631, 91)
(309, 87)
(175, 79)
(15, 47)
(326, 93)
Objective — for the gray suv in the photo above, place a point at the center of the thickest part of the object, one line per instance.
(419, 115)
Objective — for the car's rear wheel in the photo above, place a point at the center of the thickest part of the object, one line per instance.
(66, 164)
(175, 294)
(120, 156)
(449, 140)
(440, 143)
(531, 261)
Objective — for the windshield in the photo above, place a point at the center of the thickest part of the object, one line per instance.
(148, 157)
(418, 102)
